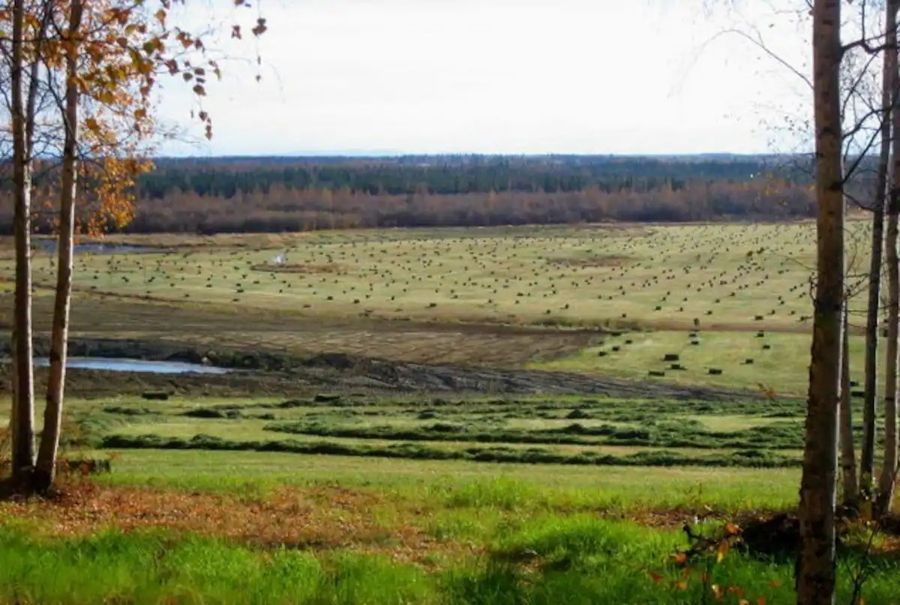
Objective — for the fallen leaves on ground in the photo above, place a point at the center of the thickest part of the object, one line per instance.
(318, 518)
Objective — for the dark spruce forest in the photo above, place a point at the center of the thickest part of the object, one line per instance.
(272, 194)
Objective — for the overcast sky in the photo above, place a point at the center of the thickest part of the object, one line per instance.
(506, 76)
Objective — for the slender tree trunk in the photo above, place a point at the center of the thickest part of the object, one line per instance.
(59, 340)
(889, 84)
(848, 453)
(23, 374)
(816, 565)
(889, 466)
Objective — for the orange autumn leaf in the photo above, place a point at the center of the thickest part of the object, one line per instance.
(721, 551)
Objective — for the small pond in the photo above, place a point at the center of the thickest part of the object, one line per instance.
(119, 364)
(49, 245)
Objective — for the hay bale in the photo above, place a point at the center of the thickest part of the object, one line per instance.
(155, 396)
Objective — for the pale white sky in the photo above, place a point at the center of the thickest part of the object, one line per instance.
(506, 76)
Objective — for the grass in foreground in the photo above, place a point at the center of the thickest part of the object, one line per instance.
(247, 527)
(543, 559)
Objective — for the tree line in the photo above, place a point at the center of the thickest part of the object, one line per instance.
(456, 174)
(284, 210)
(217, 200)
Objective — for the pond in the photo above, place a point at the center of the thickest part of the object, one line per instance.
(49, 245)
(140, 366)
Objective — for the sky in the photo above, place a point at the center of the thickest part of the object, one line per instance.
(503, 76)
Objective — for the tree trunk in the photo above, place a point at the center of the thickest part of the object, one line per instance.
(848, 453)
(45, 473)
(22, 417)
(888, 476)
(888, 83)
(889, 466)
(816, 565)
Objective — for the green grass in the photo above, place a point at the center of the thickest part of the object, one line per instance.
(542, 559)
(160, 567)
(537, 429)
(780, 368)
(464, 484)
(502, 533)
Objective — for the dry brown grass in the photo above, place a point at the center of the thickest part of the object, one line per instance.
(318, 518)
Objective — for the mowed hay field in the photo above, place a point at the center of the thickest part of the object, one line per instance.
(723, 276)
(731, 298)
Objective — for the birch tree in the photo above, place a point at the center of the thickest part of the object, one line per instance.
(45, 470)
(816, 565)
(23, 28)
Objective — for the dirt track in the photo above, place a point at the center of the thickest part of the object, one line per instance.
(271, 373)
(341, 370)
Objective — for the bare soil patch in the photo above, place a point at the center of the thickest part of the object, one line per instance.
(591, 261)
(297, 268)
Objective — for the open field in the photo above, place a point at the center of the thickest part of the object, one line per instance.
(721, 276)
(732, 298)
(496, 415)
